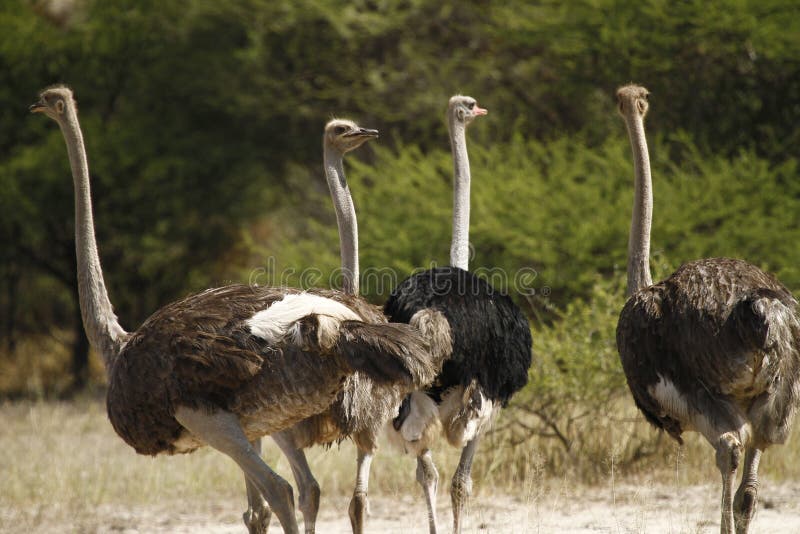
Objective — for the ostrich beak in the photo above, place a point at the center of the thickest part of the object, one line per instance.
(38, 107)
(363, 132)
(478, 111)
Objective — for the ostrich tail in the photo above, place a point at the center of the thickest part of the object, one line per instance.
(775, 332)
(466, 412)
(435, 330)
(387, 353)
(769, 321)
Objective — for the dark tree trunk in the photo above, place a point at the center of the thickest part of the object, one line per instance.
(12, 278)
(12, 289)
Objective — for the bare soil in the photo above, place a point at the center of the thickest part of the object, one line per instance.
(624, 509)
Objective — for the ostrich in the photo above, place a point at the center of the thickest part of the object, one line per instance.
(229, 365)
(714, 348)
(491, 344)
(364, 405)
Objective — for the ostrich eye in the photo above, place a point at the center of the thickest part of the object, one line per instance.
(471, 105)
(339, 130)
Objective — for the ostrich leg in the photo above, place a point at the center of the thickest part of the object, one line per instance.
(747, 495)
(461, 488)
(222, 431)
(428, 478)
(307, 486)
(258, 514)
(729, 451)
(359, 505)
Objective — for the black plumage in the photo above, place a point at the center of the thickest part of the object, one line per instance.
(491, 336)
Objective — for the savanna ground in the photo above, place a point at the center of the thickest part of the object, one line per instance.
(64, 470)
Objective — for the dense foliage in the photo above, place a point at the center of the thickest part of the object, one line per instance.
(203, 120)
(549, 217)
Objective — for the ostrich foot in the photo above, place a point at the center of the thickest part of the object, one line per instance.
(459, 495)
(309, 505)
(744, 505)
(359, 511)
(257, 521)
(729, 453)
(744, 502)
(428, 478)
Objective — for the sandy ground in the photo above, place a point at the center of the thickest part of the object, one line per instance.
(625, 509)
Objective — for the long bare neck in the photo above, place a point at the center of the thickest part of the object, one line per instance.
(345, 219)
(459, 246)
(639, 240)
(102, 327)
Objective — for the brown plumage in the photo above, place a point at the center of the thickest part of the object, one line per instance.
(199, 353)
(364, 405)
(228, 365)
(714, 348)
(726, 334)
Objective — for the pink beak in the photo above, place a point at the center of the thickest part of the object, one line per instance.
(479, 111)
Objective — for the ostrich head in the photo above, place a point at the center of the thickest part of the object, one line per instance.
(632, 99)
(53, 102)
(345, 135)
(464, 109)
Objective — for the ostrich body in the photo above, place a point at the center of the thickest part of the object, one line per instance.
(228, 365)
(363, 405)
(491, 344)
(714, 348)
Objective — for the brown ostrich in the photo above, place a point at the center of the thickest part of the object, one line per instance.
(229, 365)
(714, 348)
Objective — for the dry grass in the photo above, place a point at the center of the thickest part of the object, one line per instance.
(64, 460)
(61, 463)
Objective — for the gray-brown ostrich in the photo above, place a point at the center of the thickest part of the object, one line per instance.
(714, 348)
(491, 344)
(364, 405)
(228, 365)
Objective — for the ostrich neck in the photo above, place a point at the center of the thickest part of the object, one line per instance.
(639, 240)
(102, 327)
(345, 219)
(459, 246)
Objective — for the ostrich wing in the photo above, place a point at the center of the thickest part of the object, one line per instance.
(639, 341)
(386, 352)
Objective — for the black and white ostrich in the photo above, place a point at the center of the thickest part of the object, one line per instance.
(491, 351)
(714, 348)
(363, 406)
(229, 365)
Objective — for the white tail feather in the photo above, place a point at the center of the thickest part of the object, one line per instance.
(275, 323)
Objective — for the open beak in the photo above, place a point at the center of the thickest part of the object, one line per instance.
(38, 107)
(363, 132)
